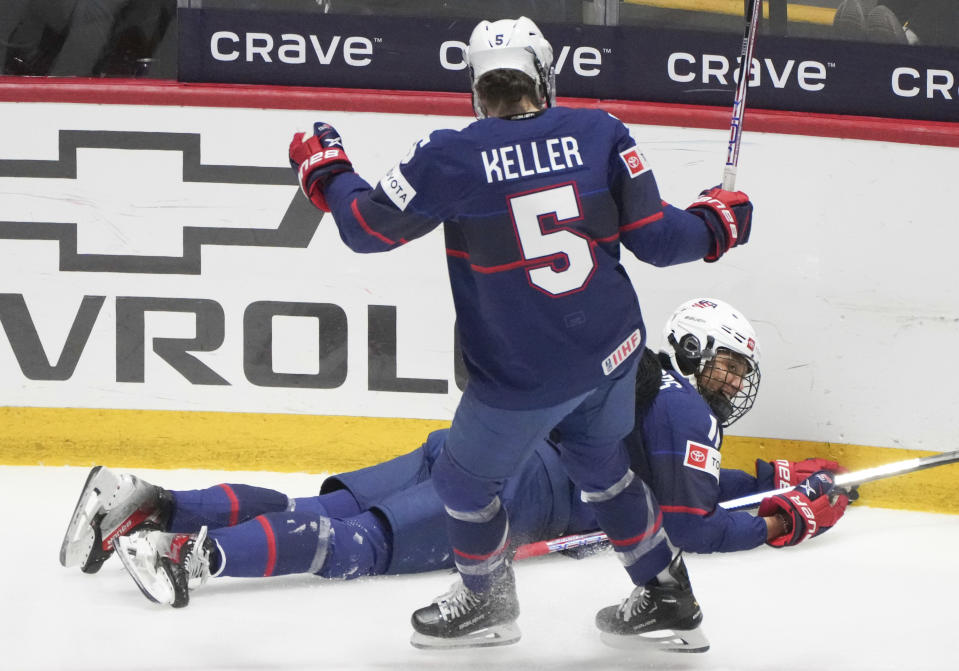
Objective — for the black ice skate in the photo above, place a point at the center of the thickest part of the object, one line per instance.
(656, 616)
(462, 618)
(166, 566)
(110, 505)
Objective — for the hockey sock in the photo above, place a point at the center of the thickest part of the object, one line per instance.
(479, 548)
(634, 524)
(221, 506)
(360, 545)
(302, 542)
(272, 544)
(476, 521)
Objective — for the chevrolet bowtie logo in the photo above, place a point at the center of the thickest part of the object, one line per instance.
(139, 202)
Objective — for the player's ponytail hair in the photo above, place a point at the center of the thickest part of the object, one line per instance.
(504, 89)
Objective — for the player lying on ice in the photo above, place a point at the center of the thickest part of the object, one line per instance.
(387, 519)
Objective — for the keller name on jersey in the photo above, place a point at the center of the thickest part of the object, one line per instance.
(538, 157)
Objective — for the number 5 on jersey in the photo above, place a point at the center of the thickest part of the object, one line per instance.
(544, 252)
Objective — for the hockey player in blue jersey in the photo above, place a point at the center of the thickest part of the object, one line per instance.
(536, 202)
(387, 519)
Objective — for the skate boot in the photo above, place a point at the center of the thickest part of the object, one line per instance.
(166, 566)
(462, 618)
(110, 505)
(661, 616)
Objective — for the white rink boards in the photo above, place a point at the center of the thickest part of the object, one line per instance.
(847, 276)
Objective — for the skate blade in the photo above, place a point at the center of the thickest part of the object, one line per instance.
(665, 640)
(504, 634)
(80, 537)
(152, 580)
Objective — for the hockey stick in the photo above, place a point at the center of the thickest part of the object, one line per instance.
(847, 481)
(739, 101)
(844, 481)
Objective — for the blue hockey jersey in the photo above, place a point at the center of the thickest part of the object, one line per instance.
(534, 211)
(675, 448)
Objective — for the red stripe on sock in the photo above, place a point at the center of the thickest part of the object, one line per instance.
(270, 546)
(635, 539)
(465, 555)
(234, 505)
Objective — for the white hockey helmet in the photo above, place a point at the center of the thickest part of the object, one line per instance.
(511, 44)
(696, 332)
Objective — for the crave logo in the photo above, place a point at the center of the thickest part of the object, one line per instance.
(143, 202)
(717, 69)
(290, 48)
(928, 83)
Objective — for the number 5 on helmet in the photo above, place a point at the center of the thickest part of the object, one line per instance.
(316, 158)
(728, 215)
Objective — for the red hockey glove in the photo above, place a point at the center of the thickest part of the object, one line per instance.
(316, 158)
(728, 215)
(809, 510)
(791, 473)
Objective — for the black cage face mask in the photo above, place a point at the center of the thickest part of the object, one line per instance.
(729, 393)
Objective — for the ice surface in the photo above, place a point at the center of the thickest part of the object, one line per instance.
(878, 592)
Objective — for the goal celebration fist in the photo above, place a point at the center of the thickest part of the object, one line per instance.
(316, 157)
(728, 215)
